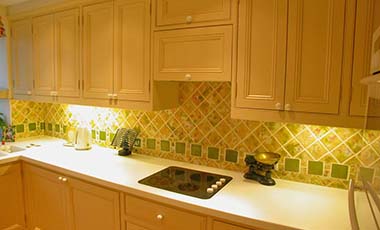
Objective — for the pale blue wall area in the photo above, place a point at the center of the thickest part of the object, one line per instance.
(5, 109)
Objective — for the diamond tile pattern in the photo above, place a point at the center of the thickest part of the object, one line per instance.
(203, 118)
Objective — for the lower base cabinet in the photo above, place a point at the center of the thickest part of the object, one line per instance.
(56, 202)
(141, 214)
(11, 198)
(217, 225)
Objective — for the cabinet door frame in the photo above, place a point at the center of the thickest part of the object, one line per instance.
(43, 22)
(106, 91)
(246, 53)
(73, 91)
(121, 74)
(329, 102)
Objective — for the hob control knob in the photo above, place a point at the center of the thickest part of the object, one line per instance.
(214, 186)
(210, 190)
(219, 183)
(223, 180)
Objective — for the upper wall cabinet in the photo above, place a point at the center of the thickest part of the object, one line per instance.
(313, 63)
(132, 50)
(186, 13)
(56, 55)
(201, 54)
(367, 23)
(22, 66)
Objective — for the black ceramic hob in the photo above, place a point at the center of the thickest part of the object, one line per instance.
(188, 182)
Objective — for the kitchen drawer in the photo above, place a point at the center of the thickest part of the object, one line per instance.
(144, 214)
(201, 54)
(217, 225)
(182, 13)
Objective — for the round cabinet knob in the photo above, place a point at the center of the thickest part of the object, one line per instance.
(188, 77)
(29, 92)
(223, 180)
(64, 179)
(36, 228)
(189, 19)
(160, 217)
(278, 106)
(110, 95)
(288, 107)
(210, 190)
(114, 96)
(60, 178)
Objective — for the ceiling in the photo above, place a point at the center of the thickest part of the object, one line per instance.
(11, 2)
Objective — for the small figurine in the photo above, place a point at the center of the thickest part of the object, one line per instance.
(9, 134)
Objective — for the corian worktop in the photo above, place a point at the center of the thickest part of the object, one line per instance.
(287, 204)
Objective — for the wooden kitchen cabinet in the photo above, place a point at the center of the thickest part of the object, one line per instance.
(217, 225)
(193, 12)
(98, 51)
(303, 75)
(132, 52)
(200, 54)
(21, 61)
(55, 201)
(56, 55)
(12, 213)
(140, 214)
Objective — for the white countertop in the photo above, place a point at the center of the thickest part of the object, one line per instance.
(287, 204)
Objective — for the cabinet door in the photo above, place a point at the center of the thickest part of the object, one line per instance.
(43, 55)
(217, 225)
(46, 199)
(171, 12)
(201, 54)
(98, 55)
(11, 197)
(261, 54)
(367, 21)
(22, 64)
(94, 207)
(132, 51)
(314, 61)
(67, 53)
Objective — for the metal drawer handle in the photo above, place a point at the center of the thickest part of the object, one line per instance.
(351, 206)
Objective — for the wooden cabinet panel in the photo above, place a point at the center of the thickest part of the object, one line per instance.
(67, 53)
(94, 207)
(217, 225)
(143, 214)
(132, 75)
(98, 55)
(22, 64)
(46, 199)
(171, 12)
(315, 50)
(366, 13)
(11, 197)
(261, 54)
(202, 54)
(43, 55)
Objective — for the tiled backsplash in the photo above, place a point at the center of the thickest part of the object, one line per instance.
(201, 131)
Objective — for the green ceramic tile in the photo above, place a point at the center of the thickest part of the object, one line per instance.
(151, 143)
(42, 125)
(339, 171)
(366, 174)
(32, 126)
(196, 150)
(57, 128)
(50, 126)
(137, 142)
(292, 165)
(165, 145)
(112, 135)
(102, 135)
(64, 128)
(180, 147)
(231, 155)
(93, 134)
(213, 153)
(315, 168)
(20, 128)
